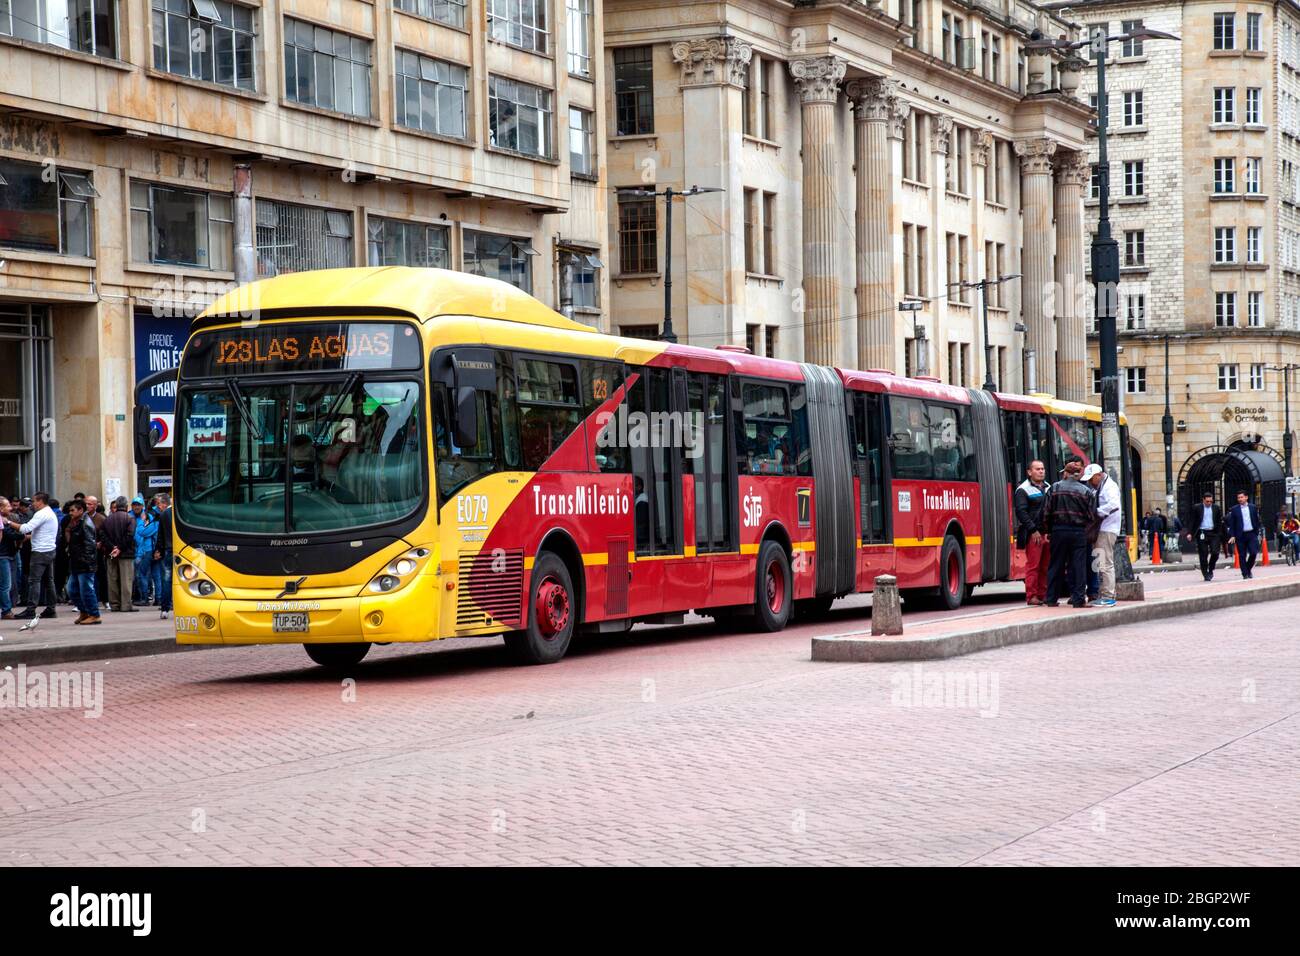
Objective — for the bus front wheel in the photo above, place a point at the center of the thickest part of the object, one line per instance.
(774, 588)
(337, 656)
(552, 614)
(952, 574)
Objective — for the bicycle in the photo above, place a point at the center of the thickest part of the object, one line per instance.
(1288, 551)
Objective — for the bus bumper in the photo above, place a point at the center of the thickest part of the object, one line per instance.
(410, 614)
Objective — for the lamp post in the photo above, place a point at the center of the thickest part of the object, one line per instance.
(1286, 371)
(1167, 429)
(669, 194)
(983, 286)
(918, 335)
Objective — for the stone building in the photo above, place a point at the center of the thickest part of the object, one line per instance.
(867, 154)
(1204, 144)
(458, 133)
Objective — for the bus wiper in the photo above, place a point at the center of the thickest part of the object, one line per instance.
(238, 395)
(334, 408)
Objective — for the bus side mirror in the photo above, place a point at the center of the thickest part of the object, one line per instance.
(146, 436)
(466, 417)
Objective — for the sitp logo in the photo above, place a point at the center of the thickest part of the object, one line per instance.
(753, 508)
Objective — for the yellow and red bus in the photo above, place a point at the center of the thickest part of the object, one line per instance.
(398, 454)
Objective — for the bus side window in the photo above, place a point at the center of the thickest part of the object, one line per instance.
(1040, 448)
(799, 432)
(909, 439)
(601, 382)
(766, 445)
(549, 408)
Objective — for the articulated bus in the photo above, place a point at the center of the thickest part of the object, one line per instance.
(396, 454)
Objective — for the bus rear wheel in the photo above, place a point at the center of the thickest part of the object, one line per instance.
(552, 614)
(337, 656)
(952, 574)
(774, 588)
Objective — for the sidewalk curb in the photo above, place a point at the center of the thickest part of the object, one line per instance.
(854, 647)
(35, 655)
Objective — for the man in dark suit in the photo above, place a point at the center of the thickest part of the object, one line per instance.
(1244, 531)
(1206, 528)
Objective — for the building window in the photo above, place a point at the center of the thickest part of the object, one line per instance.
(182, 227)
(451, 12)
(1253, 235)
(1225, 31)
(582, 142)
(1225, 104)
(584, 277)
(638, 236)
(326, 69)
(1254, 41)
(1135, 247)
(1135, 380)
(519, 117)
(1134, 114)
(1096, 381)
(1225, 174)
(1255, 309)
(1254, 109)
(1227, 378)
(206, 40)
(634, 101)
(757, 99)
(769, 234)
(639, 331)
(1094, 182)
(87, 26)
(1225, 310)
(498, 257)
(1254, 172)
(581, 31)
(293, 238)
(751, 228)
(430, 94)
(1257, 376)
(751, 339)
(520, 23)
(1225, 244)
(1130, 47)
(45, 209)
(1135, 312)
(1134, 178)
(394, 242)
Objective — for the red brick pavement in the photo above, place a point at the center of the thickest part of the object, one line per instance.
(1172, 743)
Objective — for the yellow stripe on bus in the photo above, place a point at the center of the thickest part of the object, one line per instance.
(927, 542)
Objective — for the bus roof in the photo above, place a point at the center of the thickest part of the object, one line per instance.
(418, 292)
(882, 381)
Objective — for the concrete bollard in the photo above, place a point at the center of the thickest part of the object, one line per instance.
(1130, 591)
(886, 610)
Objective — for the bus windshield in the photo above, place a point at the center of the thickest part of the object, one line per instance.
(299, 457)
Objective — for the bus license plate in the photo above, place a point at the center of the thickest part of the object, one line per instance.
(289, 622)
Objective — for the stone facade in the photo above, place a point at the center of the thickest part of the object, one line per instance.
(834, 157)
(1181, 207)
(120, 118)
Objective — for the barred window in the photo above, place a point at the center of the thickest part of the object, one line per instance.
(638, 235)
(451, 12)
(208, 40)
(293, 238)
(429, 94)
(327, 69)
(394, 242)
(520, 23)
(519, 117)
(184, 227)
(87, 26)
(498, 257)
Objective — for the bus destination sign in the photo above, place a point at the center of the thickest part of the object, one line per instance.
(303, 347)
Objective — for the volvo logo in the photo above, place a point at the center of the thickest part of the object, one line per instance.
(291, 587)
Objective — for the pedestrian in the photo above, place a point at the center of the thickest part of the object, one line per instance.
(60, 555)
(1158, 529)
(1030, 499)
(1243, 532)
(11, 539)
(43, 527)
(1071, 507)
(118, 539)
(1207, 520)
(83, 551)
(146, 533)
(163, 553)
(1110, 514)
(95, 511)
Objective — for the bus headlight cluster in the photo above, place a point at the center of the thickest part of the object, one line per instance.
(194, 581)
(399, 571)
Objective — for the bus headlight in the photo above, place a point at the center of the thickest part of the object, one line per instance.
(202, 588)
(399, 571)
(188, 572)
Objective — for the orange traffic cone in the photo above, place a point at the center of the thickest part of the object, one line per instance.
(1155, 549)
(1263, 543)
(1236, 555)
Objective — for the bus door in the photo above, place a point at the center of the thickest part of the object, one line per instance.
(871, 474)
(656, 441)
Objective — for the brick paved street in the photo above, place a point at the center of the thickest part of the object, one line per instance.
(1170, 743)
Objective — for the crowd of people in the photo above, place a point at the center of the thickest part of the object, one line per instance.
(80, 553)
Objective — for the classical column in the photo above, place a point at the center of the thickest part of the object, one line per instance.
(1072, 171)
(818, 81)
(711, 260)
(879, 115)
(1036, 257)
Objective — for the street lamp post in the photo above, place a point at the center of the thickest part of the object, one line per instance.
(1286, 371)
(669, 194)
(983, 285)
(1167, 429)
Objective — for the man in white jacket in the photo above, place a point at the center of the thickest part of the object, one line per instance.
(44, 529)
(1103, 552)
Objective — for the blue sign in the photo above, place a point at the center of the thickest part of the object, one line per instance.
(158, 345)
